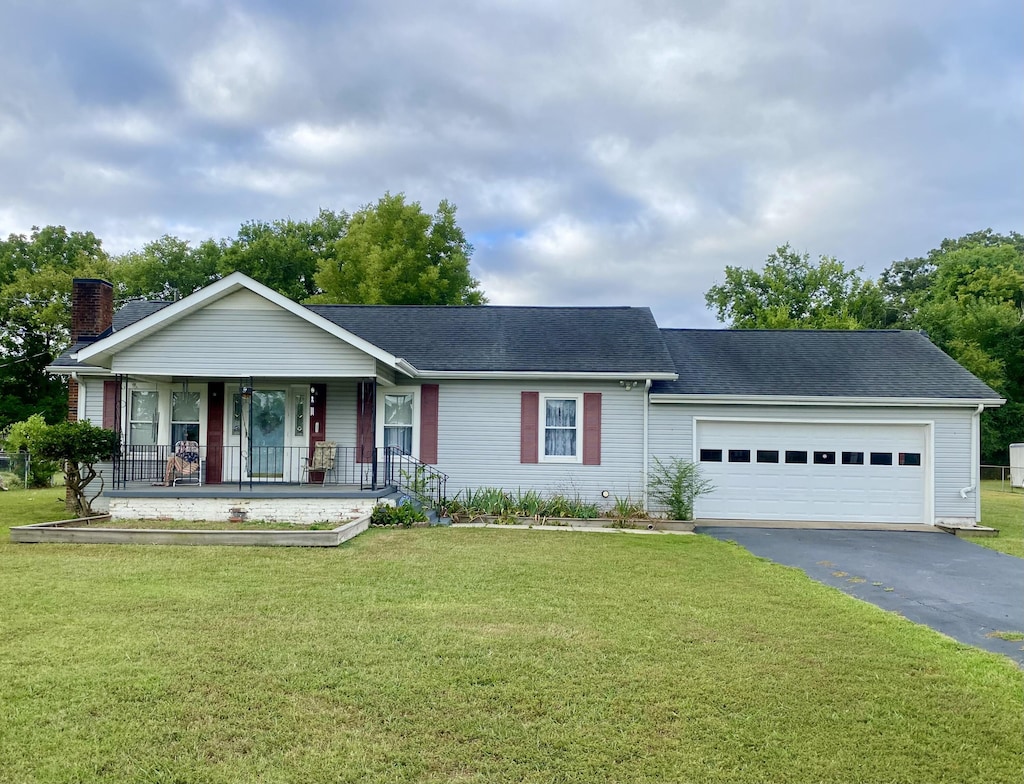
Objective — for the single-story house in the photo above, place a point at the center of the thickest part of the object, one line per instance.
(876, 426)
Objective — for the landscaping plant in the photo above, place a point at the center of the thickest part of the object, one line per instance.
(676, 485)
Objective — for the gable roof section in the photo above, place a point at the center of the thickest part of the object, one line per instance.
(502, 339)
(148, 321)
(815, 364)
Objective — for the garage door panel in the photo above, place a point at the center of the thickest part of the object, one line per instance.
(813, 491)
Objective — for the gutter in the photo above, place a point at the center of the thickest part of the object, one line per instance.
(647, 409)
(975, 458)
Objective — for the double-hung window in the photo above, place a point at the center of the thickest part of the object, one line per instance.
(398, 421)
(561, 437)
(144, 418)
(184, 416)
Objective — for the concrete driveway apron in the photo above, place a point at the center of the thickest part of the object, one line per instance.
(953, 586)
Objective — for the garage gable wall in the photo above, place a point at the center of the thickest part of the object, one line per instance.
(672, 431)
(238, 337)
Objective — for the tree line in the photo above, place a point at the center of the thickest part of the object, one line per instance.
(391, 252)
(967, 295)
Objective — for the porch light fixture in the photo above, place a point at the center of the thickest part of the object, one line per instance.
(246, 392)
(628, 385)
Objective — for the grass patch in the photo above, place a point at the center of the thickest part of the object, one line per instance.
(1010, 636)
(1004, 510)
(478, 656)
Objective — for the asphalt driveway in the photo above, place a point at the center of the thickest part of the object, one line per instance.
(956, 587)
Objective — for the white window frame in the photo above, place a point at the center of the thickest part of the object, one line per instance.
(542, 420)
(164, 390)
(415, 392)
(160, 408)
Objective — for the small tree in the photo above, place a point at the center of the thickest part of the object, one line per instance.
(78, 446)
(676, 485)
(21, 437)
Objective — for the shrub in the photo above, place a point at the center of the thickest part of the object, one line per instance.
(22, 437)
(78, 446)
(677, 484)
(404, 514)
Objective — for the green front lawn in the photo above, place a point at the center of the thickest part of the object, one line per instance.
(478, 655)
(1002, 509)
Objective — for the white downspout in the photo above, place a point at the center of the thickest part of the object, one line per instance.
(975, 458)
(647, 403)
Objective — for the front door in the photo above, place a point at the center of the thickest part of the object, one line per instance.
(269, 446)
(266, 453)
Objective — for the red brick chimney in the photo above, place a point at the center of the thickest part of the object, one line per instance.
(92, 314)
(92, 308)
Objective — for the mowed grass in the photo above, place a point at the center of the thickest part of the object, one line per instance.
(483, 656)
(1002, 509)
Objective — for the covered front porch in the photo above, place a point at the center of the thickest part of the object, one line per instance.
(213, 448)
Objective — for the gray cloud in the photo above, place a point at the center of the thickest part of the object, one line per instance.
(598, 152)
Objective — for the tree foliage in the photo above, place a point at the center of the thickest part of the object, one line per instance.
(284, 254)
(393, 253)
(77, 446)
(166, 269)
(792, 292)
(35, 314)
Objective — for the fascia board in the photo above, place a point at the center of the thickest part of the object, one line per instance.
(236, 281)
(469, 375)
(804, 400)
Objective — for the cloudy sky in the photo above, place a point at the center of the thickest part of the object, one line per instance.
(598, 152)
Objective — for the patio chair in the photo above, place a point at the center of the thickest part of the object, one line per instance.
(322, 461)
(185, 467)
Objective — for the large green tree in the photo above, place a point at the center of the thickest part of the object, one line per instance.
(394, 253)
(968, 295)
(35, 313)
(168, 268)
(284, 254)
(793, 292)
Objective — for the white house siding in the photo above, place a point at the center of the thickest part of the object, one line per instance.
(219, 342)
(341, 413)
(479, 440)
(92, 388)
(671, 435)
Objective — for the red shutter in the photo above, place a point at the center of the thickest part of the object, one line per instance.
(428, 423)
(591, 428)
(365, 407)
(316, 421)
(528, 437)
(110, 388)
(214, 432)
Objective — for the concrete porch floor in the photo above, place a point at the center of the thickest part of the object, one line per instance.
(234, 490)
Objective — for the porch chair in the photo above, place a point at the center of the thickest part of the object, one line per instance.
(186, 465)
(322, 461)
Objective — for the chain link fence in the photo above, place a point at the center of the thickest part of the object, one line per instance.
(20, 470)
(999, 474)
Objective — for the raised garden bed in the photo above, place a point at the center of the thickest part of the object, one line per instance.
(102, 530)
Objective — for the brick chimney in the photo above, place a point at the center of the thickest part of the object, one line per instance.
(92, 314)
(92, 308)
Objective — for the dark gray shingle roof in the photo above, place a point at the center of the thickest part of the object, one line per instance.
(482, 338)
(826, 363)
(130, 312)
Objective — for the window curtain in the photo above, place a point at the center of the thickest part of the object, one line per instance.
(560, 428)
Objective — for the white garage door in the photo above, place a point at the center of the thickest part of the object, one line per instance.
(804, 471)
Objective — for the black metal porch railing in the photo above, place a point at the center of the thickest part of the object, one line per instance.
(423, 482)
(258, 465)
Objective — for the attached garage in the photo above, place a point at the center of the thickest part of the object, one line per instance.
(820, 471)
(824, 426)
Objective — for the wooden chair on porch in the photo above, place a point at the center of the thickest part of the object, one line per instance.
(322, 462)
